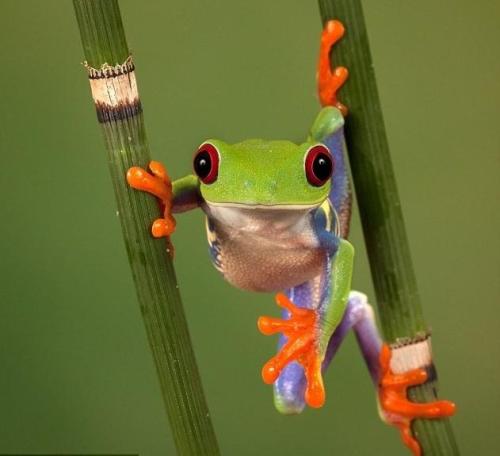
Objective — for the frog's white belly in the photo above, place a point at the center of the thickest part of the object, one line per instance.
(264, 249)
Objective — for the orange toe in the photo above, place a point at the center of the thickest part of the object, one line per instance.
(315, 390)
(159, 171)
(158, 184)
(329, 82)
(270, 372)
(163, 227)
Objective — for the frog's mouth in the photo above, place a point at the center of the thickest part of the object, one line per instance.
(261, 219)
(270, 207)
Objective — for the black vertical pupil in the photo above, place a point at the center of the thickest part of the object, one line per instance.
(203, 164)
(322, 166)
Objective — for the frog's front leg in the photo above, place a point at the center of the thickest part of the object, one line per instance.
(178, 196)
(308, 330)
(158, 183)
(300, 329)
(290, 387)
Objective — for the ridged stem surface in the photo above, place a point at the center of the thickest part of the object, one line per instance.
(104, 43)
(384, 231)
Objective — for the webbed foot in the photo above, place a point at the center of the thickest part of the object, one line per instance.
(301, 346)
(158, 184)
(397, 409)
(330, 82)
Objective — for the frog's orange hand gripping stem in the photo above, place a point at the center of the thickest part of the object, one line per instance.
(301, 330)
(158, 184)
(398, 410)
(330, 82)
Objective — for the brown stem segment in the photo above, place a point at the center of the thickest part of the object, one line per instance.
(380, 209)
(114, 89)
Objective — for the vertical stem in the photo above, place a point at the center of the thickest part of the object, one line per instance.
(119, 111)
(380, 209)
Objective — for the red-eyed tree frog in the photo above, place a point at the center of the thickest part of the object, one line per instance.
(277, 219)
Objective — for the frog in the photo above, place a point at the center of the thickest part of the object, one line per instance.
(277, 220)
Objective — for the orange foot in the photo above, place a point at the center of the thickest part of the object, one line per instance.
(300, 330)
(330, 82)
(398, 410)
(158, 184)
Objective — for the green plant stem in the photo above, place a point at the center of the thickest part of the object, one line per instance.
(382, 219)
(104, 43)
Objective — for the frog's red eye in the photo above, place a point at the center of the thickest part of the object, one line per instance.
(318, 165)
(206, 163)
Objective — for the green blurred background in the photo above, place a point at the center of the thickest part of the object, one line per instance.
(76, 372)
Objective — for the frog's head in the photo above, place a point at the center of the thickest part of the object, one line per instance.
(256, 173)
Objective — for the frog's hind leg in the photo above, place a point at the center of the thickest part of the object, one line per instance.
(402, 367)
(391, 370)
(359, 316)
